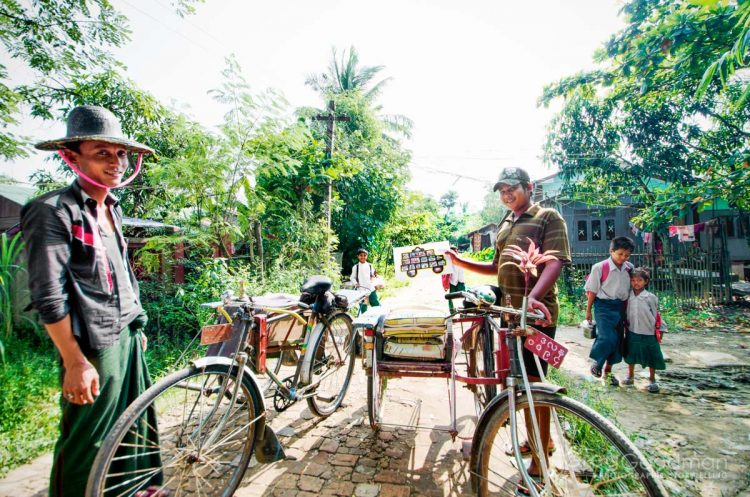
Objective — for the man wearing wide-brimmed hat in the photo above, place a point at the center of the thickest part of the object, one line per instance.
(85, 291)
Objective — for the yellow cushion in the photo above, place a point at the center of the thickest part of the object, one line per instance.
(423, 351)
(413, 331)
(415, 317)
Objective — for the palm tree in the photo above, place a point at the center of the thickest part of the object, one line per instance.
(346, 75)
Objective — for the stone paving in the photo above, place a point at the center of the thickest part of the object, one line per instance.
(341, 455)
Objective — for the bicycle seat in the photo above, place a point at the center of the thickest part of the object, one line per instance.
(316, 285)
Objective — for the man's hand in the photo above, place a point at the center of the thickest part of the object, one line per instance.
(80, 383)
(534, 304)
(144, 341)
(450, 254)
(588, 316)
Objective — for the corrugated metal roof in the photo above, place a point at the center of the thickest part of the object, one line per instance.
(17, 194)
(146, 223)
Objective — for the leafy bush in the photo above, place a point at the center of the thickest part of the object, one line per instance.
(29, 415)
(10, 251)
(484, 255)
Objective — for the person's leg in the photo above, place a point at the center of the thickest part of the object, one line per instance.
(84, 428)
(631, 371)
(652, 375)
(451, 288)
(374, 300)
(543, 415)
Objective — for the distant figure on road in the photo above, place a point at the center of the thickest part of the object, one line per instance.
(363, 274)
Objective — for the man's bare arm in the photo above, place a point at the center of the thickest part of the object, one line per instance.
(81, 380)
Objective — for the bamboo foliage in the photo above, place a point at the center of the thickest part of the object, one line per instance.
(10, 251)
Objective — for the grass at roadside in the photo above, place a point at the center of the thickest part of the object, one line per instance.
(29, 404)
(594, 395)
(29, 413)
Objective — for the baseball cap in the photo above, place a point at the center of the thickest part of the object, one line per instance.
(362, 251)
(512, 176)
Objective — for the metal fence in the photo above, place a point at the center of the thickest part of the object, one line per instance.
(692, 276)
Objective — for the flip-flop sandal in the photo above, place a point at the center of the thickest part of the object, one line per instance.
(526, 450)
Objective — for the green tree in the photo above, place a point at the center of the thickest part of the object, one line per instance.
(58, 43)
(369, 164)
(639, 118)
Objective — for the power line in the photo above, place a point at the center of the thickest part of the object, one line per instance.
(160, 23)
(198, 27)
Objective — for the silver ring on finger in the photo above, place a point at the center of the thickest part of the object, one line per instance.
(70, 396)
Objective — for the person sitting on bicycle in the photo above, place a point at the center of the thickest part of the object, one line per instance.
(85, 291)
(362, 275)
(526, 221)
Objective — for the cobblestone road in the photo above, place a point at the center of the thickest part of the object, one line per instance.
(341, 455)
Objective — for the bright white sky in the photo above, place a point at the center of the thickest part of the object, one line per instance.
(467, 73)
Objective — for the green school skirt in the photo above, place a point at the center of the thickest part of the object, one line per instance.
(644, 350)
(123, 376)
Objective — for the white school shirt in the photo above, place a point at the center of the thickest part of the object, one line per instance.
(642, 310)
(617, 284)
(366, 273)
(457, 276)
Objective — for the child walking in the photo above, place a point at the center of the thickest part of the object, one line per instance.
(644, 330)
(607, 289)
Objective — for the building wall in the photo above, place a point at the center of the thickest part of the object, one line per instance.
(10, 213)
(592, 228)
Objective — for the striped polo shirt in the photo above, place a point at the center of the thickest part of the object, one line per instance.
(548, 230)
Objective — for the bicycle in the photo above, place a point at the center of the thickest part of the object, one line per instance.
(194, 431)
(316, 327)
(592, 457)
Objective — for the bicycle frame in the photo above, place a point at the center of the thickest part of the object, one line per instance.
(256, 345)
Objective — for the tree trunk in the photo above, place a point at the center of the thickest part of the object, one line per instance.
(259, 244)
(251, 245)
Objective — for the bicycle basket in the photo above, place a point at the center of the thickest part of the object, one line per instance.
(216, 333)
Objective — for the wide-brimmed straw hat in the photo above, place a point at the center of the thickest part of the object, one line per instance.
(93, 123)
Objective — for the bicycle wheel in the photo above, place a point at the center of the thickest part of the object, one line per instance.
(332, 365)
(376, 386)
(591, 457)
(185, 435)
(482, 364)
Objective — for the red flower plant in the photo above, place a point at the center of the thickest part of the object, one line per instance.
(528, 260)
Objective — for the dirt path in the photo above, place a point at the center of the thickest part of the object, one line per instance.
(698, 426)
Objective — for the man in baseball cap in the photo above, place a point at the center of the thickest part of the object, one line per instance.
(527, 221)
(87, 296)
(512, 176)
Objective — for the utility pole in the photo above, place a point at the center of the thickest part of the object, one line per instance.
(331, 119)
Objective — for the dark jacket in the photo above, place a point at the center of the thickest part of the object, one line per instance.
(69, 270)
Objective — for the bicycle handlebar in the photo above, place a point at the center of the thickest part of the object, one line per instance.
(494, 308)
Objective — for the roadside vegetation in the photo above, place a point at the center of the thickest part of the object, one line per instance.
(251, 193)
